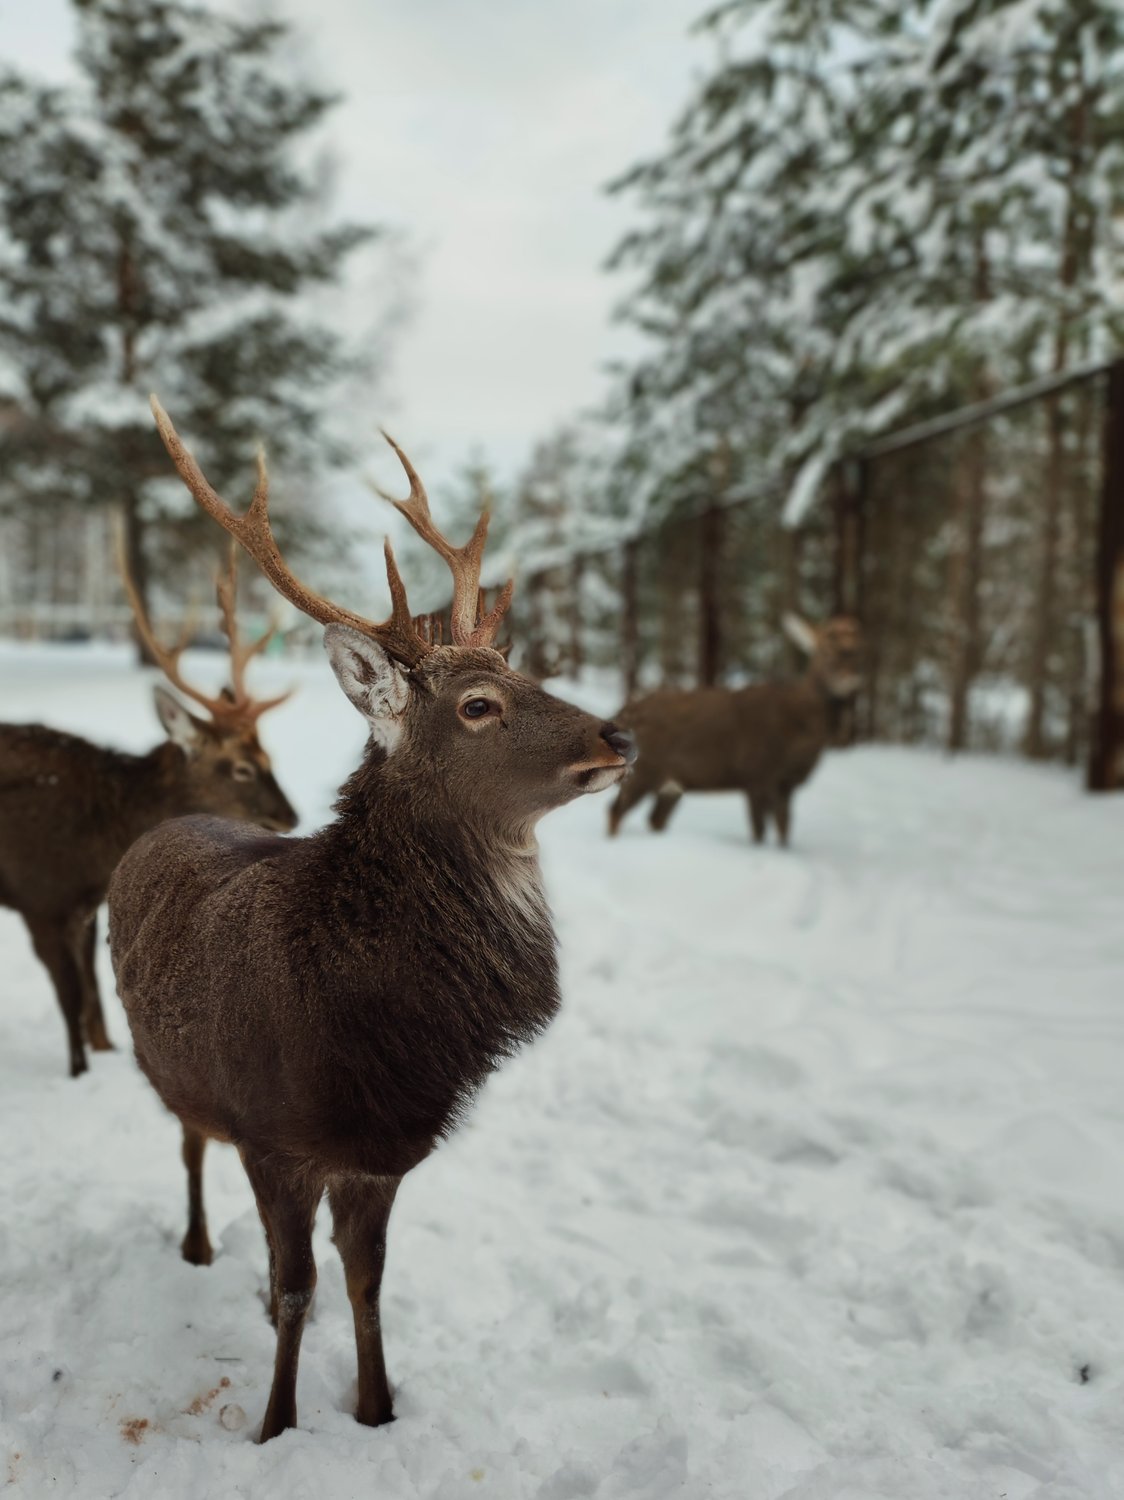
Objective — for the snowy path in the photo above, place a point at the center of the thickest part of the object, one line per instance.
(813, 1191)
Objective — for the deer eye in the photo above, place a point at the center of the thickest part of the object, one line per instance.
(478, 708)
(242, 770)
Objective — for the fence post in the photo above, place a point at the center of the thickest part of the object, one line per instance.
(1106, 753)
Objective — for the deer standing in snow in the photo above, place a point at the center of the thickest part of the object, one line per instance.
(69, 809)
(763, 740)
(331, 1004)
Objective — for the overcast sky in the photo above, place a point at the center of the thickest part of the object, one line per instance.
(485, 130)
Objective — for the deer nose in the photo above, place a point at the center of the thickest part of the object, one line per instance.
(621, 741)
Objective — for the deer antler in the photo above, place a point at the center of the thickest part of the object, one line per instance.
(226, 592)
(235, 710)
(255, 534)
(468, 628)
(400, 634)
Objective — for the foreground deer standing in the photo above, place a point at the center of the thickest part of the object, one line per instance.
(70, 809)
(331, 1004)
(763, 740)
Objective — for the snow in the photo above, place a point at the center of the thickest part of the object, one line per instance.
(811, 1192)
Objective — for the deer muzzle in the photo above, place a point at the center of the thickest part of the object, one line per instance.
(621, 741)
(595, 774)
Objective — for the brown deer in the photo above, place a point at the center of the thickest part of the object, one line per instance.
(331, 1004)
(69, 809)
(763, 740)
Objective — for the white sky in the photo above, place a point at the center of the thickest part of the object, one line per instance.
(484, 129)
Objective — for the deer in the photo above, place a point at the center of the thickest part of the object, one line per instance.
(764, 739)
(69, 809)
(331, 1004)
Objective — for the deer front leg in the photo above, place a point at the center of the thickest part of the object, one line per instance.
(360, 1211)
(196, 1245)
(667, 800)
(50, 941)
(782, 816)
(287, 1194)
(633, 789)
(83, 946)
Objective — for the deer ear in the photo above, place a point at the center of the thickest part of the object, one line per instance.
(799, 632)
(181, 727)
(372, 680)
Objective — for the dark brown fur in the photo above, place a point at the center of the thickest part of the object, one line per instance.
(331, 1004)
(69, 810)
(764, 740)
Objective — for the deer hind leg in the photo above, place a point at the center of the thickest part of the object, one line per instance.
(667, 800)
(360, 1210)
(287, 1195)
(83, 946)
(633, 789)
(758, 815)
(196, 1245)
(49, 939)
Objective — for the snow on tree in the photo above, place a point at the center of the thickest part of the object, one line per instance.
(159, 223)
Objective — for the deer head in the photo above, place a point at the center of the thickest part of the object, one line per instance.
(227, 769)
(453, 718)
(834, 651)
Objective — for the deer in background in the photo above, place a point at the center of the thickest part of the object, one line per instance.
(331, 1004)
(69, 809)
(763, 740)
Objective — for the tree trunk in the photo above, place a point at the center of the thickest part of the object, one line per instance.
(1081, 605)
(1074, 258)
(133, 540)
(539, 660)
(710, 595)
(1106, 758)
(577, 641)
(965, 587)
(850, 521)
(792, 596)
(1044, 631)
(630, 619)
(132, 523)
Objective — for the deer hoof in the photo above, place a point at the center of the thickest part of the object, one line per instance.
(196, 1249)
(375, 1419)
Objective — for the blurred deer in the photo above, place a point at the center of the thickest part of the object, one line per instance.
(69, 809)
(331, 1004)
(763, 740)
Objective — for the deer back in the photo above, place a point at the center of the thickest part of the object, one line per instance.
(69, 809)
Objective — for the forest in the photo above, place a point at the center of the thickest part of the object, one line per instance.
(867, 216)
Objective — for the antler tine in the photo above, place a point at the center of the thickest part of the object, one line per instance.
(400, 634)
(467, 628)
(166, 658)
(254, 533)
(240, 654)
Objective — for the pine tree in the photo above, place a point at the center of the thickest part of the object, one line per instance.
(870, 213)
(744, 280)
(158, 227)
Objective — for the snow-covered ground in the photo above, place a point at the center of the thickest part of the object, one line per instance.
(814, 1190)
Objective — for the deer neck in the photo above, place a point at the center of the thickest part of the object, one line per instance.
(434, 930)
(403, 835)
(140, 791)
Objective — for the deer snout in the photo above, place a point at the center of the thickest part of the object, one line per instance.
(621, 741)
